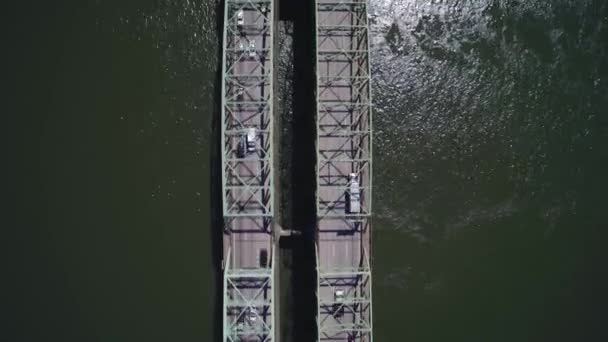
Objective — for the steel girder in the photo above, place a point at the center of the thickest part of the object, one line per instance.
(344, 125)
(247, 177)
(344, 153)
(247, 92)
(348, 318)
(248, 303)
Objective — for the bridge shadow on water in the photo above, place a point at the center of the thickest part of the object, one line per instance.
(215, 179)
(300, 285)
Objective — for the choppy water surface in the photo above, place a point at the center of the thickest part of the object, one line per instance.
(490, 151)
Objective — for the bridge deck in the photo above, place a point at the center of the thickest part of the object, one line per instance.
(343, 158)
(247, 170)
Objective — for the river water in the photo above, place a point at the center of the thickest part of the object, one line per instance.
(490, 158)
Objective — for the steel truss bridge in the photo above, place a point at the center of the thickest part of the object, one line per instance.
(343, 145)
(247, 179)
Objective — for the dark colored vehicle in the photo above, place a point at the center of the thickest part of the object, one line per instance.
(263, 257)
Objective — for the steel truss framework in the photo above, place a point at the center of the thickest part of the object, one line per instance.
(247, 103)
(343, 105)
(247, 184)
(248, 303)
(348, 318)
(344, 145)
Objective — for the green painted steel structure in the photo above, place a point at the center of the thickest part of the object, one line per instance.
(247, 177)
(344, 171)
(248, 303)
(247, 95)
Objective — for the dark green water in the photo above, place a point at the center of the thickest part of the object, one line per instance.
(114, 104)
(490, 164)
(490, 170)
